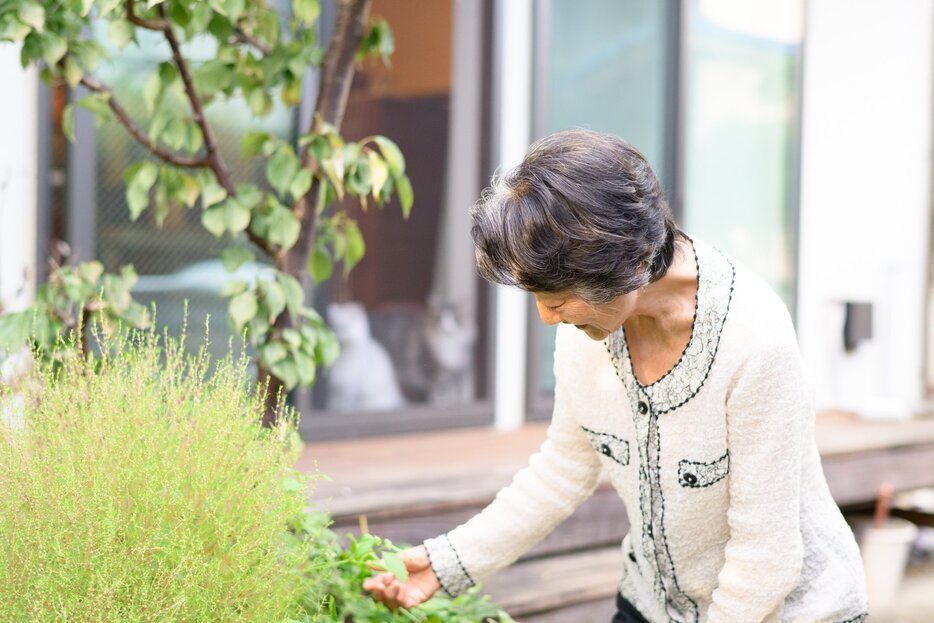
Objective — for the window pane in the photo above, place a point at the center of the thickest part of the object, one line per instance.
(604, 70)
(178, 262)
(740, 111)
(407, 315)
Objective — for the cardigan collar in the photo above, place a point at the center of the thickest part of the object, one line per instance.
(715, 278)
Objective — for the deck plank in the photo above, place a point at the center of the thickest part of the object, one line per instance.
(458, 469)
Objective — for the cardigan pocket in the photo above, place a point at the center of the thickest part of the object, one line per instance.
(610, 446)
(699, 474)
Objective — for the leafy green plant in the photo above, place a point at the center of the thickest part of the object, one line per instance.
(74, 298)
(139, 487)
(291, 221)
(350, 565)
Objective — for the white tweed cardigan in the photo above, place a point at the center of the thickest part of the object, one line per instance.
(731, 518)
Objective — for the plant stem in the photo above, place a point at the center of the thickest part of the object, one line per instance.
(212, 153)
(124, 118)
(214, 157)
(133, 18)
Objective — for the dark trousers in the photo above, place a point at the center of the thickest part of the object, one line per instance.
(626, 612)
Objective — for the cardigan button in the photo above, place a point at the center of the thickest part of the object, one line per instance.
(643, 408)
(691, 479)
(605, 449)
(632, 556)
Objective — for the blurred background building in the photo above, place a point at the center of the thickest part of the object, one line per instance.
(793, 134)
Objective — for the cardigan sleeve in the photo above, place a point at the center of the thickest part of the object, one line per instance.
(558, 478)
(767, 414)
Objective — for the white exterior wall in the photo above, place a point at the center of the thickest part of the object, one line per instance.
(865, 198)
(18, 162)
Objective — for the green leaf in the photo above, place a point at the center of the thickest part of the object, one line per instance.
(305, 366)
(176, 133)
(242, 309)
(14, 30)
(188, 191)
(356, 247)
(54, 48)
(320, 265)
(194, 139)
(73, 74)
(392, 155)
(406, 196)
(105, 7)
(379, 172)
(306, 10)
(97, 103)
(212, 193)
(393, 563)
(294, 294)
(284, 228)
(387, 40)
(292, 338)
(271, 353)
(152, 93)
(273, 299)
(213, 76)
(139, 179)
(236, 217)
(281, 168)
(300, 183)
(249, 195)
(180, 14)
(86, 7)
(260, 102)
(234, 257)
(287, 372)
(120, 32)
(158, 122)
(214, 220)
(328, 348)
(32, 14)
(233, 288)
(234, 9)
(68, 122)
(333, 167)
(253, 142)
(91, 271)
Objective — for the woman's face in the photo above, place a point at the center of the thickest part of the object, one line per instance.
(597, 321)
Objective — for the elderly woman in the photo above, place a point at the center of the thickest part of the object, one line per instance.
(677, 373)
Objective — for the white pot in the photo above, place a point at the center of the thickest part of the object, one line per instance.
(885, 554)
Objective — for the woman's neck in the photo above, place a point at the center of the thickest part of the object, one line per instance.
(667, 305)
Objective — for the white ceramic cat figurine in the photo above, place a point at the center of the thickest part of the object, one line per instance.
(363, 377)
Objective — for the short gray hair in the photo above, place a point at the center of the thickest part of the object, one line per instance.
(583, 212)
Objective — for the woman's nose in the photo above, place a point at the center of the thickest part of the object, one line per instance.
(548, 316)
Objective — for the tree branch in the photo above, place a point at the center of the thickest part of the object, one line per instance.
(124, 118)
(213, 155)
(215, 160)
(133, 18)
(241, 36)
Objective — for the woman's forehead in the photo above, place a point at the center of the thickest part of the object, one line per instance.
(555, 298)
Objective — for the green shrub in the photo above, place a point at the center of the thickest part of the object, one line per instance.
(139, 486)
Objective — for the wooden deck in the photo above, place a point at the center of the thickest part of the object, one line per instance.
(415, 486)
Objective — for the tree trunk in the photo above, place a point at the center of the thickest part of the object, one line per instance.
(337, 73)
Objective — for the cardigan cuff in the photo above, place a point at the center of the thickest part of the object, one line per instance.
(447, 566)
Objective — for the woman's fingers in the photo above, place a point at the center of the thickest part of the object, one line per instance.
(415, 558)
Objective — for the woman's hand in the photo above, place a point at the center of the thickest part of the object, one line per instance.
(421, 585)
